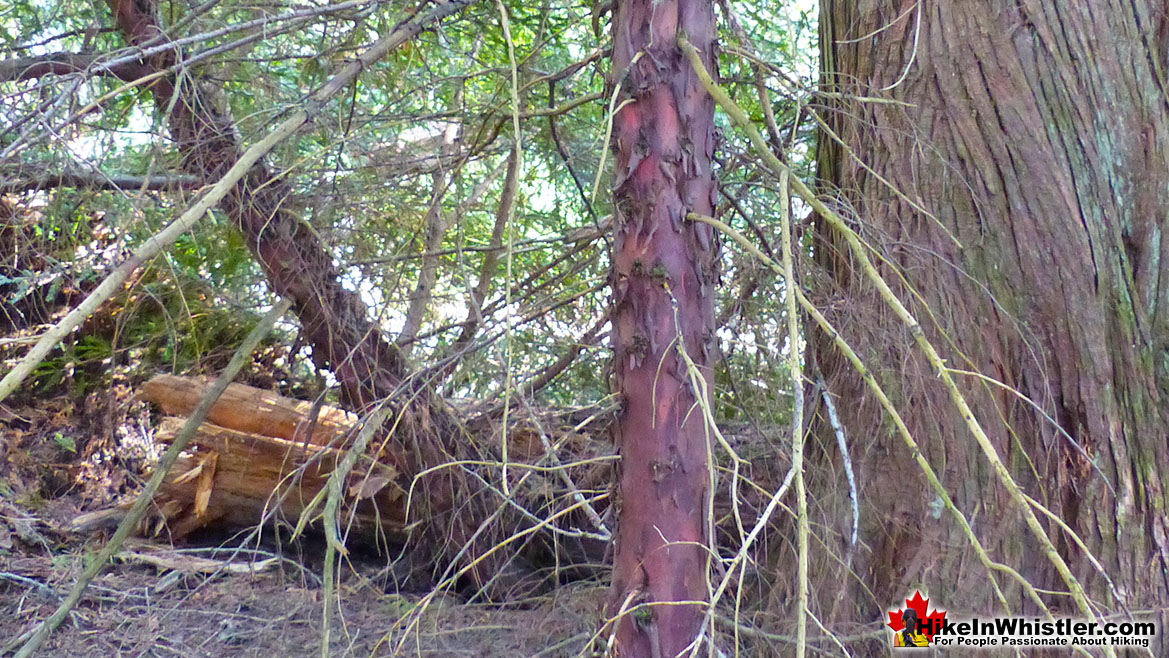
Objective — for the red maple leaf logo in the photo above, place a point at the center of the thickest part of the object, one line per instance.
(931, 622)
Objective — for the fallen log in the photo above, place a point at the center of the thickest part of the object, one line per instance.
(262, 455)
(251, 410)
(237, 479)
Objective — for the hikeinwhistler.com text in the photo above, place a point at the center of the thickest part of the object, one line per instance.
(1035, 632)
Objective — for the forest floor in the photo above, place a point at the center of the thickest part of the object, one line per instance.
(136, 610)
(63, 456)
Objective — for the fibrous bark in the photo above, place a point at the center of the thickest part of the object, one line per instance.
(662, 278)
(1020, 190)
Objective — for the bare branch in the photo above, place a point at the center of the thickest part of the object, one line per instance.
(490, 258)
(14, 183)
(31, 68)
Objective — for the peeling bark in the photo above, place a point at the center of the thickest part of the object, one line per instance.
(1031, 156)
(662, 278)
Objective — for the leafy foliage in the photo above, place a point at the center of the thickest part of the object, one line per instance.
(364, 176)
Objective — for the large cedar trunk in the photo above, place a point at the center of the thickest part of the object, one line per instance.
(663, 269)
(1036, 135)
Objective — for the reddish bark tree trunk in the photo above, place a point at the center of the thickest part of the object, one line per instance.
(663, 278)
(1037, 135)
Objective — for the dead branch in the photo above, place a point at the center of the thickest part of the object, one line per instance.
(30, 68)
(95, 180)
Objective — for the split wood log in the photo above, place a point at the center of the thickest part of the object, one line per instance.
(261, 452)
(251, 410)
(236, 478)
(251, 459)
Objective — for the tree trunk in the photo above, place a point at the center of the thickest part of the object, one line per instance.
(368, 365)
(662, 278)
(1020, 189)
(295, 262)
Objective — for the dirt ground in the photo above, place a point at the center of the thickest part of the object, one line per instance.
(141, 610)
